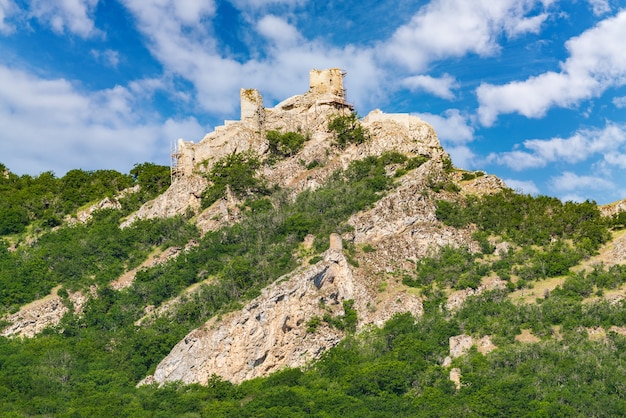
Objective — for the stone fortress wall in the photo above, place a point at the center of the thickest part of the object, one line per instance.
(303, 112)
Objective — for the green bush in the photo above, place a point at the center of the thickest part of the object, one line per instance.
(152, 178)
(285, 145)
(348, 130)
(236, 171)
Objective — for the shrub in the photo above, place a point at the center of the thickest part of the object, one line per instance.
(348, 130)
(237, 171)
(285, 145)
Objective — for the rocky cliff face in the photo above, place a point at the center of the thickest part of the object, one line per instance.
(33, 318)
(273, 331)
(276, 329)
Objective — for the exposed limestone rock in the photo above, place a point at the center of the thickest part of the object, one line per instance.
(460, 344)
(616, 252)
(224, 211)
(456, 299)
(106, 203)
(270, 332)
(484, 185)
(308, 113)
(33, 318)
(484, 345)
(180, 196)
(613, 208)
(455, 377)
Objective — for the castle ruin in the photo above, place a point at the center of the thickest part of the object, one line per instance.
(303, 113)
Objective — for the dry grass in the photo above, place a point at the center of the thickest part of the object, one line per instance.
(538, 291)
(526, 336)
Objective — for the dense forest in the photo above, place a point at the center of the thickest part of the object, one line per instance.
(89, 364)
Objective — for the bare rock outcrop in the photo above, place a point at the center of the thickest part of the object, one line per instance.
(180, 196)
(270, 332)
(274, 330)
(308, 113)
(457, 298)
(33, 318)
(85, 215)
(613, 208)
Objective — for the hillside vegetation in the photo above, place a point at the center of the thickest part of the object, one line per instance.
(90, 363)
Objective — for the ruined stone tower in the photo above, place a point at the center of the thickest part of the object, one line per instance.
(327, 81)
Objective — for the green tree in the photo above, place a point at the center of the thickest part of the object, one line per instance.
(151, 177)
(285, 145)
(348, 130)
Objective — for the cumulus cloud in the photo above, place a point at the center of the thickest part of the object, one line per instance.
(440, 87)
(596, 62)
(462, 156)
(283, 70)
(260, 4)
(7, 9)
(524, 186)
(278, 30)
(600, 7)
(191, 12)
(452, 127)
(616, 159)
(73, 16)
(280, 61)
(102, 129)
(619, 102)
(453, 28)
(584, 144)
(568, 182)
(108, 57)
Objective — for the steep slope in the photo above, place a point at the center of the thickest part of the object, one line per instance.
(270, 332)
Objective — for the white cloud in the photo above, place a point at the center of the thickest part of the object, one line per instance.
(583, 145)
(453, 28)
(453, 126)
(278, 31)
(66, 15)
(283, 71)
(524, 186)
(7, 9)
(191, 12)
(440, 87)
(75, 129)
(516, 160)
(616, 159)
(109, 57)
(596, 62)
(281, 56)
(260, 4)
(568, 182)
(600, 7)
(462, 156)
(619, 102)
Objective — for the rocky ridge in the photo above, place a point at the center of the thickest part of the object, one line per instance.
(270, 332)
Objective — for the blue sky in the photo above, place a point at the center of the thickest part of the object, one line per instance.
(533, 91)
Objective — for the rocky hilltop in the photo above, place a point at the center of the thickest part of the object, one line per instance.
(276, 329)
(282, 327)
